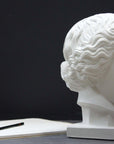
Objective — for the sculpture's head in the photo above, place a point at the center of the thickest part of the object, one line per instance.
(89, 53)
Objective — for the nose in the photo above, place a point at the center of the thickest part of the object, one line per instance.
(64, 69)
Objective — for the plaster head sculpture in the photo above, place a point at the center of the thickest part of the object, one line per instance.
(89, 67)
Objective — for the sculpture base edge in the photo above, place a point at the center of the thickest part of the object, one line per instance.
(90, 132)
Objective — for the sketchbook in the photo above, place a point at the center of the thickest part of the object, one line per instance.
(32, 127)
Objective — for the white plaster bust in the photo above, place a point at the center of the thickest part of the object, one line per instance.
(89, 68)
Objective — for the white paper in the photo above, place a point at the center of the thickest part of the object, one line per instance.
(32, 127)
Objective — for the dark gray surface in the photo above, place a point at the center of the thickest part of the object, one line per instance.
(53, 139)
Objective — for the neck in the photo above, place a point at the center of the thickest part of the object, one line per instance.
(96, 109)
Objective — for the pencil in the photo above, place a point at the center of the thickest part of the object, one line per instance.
(11, 126)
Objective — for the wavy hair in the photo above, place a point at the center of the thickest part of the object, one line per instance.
(88, 51)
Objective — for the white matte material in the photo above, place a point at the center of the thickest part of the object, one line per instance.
(32, 127)
(89, 69)
(92, 132)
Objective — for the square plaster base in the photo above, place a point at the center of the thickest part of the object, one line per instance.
(90, 132)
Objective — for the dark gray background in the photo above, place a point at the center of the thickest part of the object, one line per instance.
(31, 42)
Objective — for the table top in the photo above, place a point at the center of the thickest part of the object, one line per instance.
(53, 139)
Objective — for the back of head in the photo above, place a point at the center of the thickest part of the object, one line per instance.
(88, 51)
